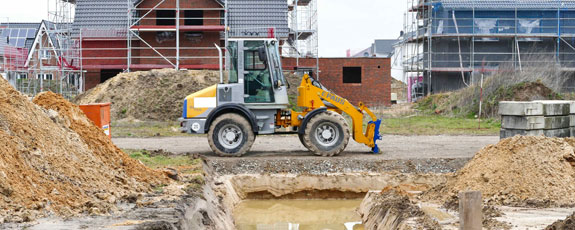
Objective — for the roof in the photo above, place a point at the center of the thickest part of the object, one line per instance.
(385, 47)
(21, 35)
(367, 52)
(254, 18)
(508, 4)
(101, 15)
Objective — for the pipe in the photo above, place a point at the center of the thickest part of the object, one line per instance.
(220, 60)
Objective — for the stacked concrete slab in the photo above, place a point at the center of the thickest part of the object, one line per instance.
(536, 118)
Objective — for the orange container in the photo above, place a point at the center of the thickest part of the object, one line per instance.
(100, 115)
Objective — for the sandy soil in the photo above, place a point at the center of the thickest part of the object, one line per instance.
(393, 147)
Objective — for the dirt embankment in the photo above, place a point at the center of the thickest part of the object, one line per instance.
(466, 101)
(518, 171)
(156, 95)
(53, 160)
(566, 224)
(391, 208)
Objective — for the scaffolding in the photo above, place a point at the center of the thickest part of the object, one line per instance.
(454, 40)
(68, 74)
(42, 56)
(303, 39)
(168, 25)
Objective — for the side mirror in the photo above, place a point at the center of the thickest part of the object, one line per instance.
(262, 54)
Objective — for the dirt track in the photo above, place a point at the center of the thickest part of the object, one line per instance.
(393, 147)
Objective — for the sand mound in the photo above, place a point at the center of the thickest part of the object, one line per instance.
(55, 161)
(156, 95)
(566, 224)
(518, 171)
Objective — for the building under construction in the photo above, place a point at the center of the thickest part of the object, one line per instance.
(86, 42)
(448, 43)
(36, 57)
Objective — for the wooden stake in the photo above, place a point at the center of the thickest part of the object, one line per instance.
(470, 210)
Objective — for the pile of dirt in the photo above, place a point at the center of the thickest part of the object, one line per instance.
(156, 95)
(399, 88)
(53, 160)
(465, 102)
(566, 224)
(518, 171)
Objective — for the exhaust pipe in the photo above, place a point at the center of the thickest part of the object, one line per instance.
(221, 61)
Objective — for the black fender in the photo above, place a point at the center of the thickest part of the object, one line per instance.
(232, 108)
(308, 117)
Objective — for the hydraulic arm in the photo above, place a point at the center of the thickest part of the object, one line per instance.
(313, 95)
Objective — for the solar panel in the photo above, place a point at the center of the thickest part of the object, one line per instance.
(31, 33)
(20, 42)
(13, 32)
(22, 33)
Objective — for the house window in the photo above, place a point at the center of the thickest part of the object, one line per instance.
(351, 74)
(164, 36)
(47, 76)
(22, 76)
(194, 17)
(222, 18)
(166, 17)
(45, 54)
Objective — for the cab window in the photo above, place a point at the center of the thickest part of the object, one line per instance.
(253, 61)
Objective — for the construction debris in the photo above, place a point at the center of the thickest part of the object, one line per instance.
(156, 95)
(518, 171)
(53, 160)
(388, 209)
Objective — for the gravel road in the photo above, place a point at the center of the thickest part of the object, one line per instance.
(393, 147)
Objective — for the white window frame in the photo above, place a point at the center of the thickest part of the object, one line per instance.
(44, 76)
(20, 76)
(45, 54)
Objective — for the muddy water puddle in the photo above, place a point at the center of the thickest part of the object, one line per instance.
(298, 215)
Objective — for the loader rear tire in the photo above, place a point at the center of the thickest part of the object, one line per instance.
(230, 135)
(326, 134)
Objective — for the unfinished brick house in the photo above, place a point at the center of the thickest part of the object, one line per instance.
(120, 35)
(366, 80)
(31, 58)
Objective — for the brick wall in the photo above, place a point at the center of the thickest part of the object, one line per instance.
(375, 86)
(92, 78)
(104, 52)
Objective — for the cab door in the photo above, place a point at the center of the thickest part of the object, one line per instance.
(258, 85)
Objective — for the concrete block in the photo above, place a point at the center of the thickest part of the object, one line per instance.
(571, 104)
(535, 122)
(505, 133)
(572, 120)
(527, 108)
(572, 129)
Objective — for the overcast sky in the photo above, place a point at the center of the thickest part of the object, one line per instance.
(343, 24)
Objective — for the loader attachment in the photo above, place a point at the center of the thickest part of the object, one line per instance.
(313, 95)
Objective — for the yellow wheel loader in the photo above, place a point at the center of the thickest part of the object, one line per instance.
(253, 100)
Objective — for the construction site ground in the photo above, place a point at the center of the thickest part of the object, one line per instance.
(392, 146)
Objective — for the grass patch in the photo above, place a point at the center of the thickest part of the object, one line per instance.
(146, 129)
(439, 125)
(163, 161)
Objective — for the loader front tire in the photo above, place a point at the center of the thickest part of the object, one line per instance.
(230, 135)
(326, 134)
